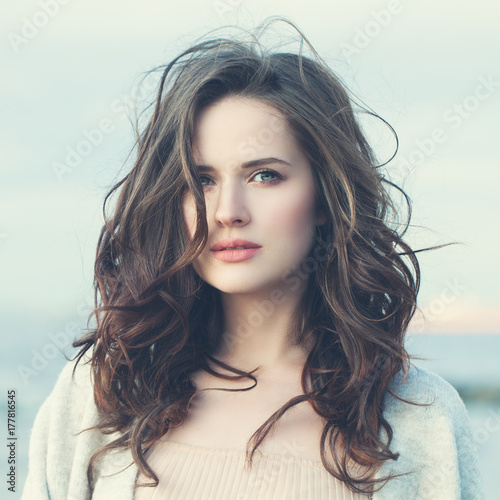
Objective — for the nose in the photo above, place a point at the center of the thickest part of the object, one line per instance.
(231, 209)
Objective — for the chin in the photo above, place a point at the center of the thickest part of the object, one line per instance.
(237, 288)
(242, 285)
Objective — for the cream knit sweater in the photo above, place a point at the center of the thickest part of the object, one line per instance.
(435, 441)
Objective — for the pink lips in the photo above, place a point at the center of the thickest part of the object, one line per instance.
(226, 251)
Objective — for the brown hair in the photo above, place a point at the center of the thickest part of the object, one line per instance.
(158, 322)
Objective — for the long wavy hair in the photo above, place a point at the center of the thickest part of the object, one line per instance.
(157, 321)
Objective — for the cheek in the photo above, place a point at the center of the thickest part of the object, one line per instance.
(293, 217)
(298, 225)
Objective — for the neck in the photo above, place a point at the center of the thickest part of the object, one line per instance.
(258, 330)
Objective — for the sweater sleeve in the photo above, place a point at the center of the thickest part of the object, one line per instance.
(35, 487)
(435, 443)
(55, 460)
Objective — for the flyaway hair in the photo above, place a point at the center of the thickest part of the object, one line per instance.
(157, 321)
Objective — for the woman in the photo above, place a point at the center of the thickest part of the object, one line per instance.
(255, 296)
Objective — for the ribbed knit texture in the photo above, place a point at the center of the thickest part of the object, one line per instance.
(190, 472)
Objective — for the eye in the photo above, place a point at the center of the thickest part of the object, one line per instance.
(203, 178)
(267, 177)
(275, 177)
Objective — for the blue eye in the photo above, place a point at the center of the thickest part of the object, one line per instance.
(202, 178)
(266, 173)
(275, 177)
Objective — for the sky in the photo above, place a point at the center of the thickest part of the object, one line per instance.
(429, 68)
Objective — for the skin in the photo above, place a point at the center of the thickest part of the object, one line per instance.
(258, 295)
(281, 217)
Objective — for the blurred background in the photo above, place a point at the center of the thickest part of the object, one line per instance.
(71, 75)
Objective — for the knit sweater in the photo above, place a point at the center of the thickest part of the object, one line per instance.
(201, 473)
(435, 442)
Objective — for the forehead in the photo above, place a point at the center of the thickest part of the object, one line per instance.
(241, 127)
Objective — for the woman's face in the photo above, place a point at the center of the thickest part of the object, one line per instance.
(258, 187)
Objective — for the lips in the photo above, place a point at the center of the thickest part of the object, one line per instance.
(231, 244)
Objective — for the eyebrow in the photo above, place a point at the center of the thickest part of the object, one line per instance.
(249, 164)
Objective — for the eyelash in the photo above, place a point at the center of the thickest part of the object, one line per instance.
(277, 177)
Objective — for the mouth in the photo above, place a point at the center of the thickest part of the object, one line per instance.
(233, 244)
(235, 254)
(232, 248)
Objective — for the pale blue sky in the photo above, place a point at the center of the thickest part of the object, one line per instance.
(429, 68)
